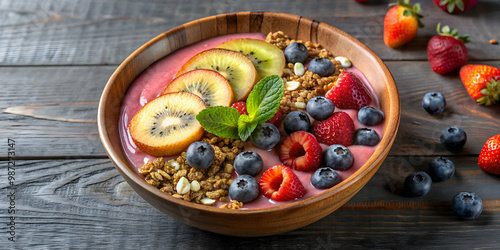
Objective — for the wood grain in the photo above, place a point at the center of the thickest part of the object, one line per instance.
(65, 32)
(87, 204)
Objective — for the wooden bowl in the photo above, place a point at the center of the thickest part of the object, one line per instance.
(257, 222)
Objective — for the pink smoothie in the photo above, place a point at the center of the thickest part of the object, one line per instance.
(152, 81)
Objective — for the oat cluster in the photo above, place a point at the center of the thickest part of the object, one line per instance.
(310, 85)
(212, 183)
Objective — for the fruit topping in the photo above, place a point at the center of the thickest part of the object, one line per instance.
(365, 137)
(210, 86)
(200, 155)
(279, 183)
(370, 116)
(338, 157)
(417, 184)
(348, 92)
(296, 52)
(266, 58)
(265, 136)
(296, 121)
(434, 103)
(244, 189)
(455, 6)
(325, 178)
(320, 108)
(300, 151)
(441, 169)
(234, 66)
(248, 162)
(453, 139)
(401, 23)
(489, 158)
(321, 66)
(482, 83)
(166, 125)
(241, 107)
(467, 205)
(338, 129)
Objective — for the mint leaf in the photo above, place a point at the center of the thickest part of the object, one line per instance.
(246, 125)
(264, 100)
(220, 121)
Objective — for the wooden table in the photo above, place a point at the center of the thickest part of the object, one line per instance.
(56, 56)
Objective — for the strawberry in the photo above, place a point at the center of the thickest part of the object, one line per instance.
(338, 129)
(300, 151)
(489, 158)
(241, 107)
(401, 23)
(276, 119)
(447, 51)
(348, 92)
(281, 184)
(482, 83)
(455, 6)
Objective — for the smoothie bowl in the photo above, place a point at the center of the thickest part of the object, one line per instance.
(192, 152)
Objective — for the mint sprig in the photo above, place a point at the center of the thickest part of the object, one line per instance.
(262, 103)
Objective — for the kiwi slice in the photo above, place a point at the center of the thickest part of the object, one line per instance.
(234, 66)
(167, 125)
(267, 58)
(210, 86)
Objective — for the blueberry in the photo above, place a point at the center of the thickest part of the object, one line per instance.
(321, 66)
(265, 136)
(295, 121)
(366, 137)
(296, 52)
(248, 162)
(200, 155)
(453, 139)
(325, 178)
(434, 103)
(467, 205)
(320, 108)
(244, 189)
(441, 169)
(417, 184)
(370, 116)
(338, 157)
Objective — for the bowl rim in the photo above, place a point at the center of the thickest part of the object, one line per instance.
(373, 163)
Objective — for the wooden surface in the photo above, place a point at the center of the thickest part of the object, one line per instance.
(56, 56)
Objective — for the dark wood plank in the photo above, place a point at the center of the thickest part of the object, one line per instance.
(39, 109)
(86, 204)
(62, 32)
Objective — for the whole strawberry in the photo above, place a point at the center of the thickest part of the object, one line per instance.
(489, 158)
(348, 92)
(455, 6)
(338, 129)
(482, 83)
(401, 23)
(447, 50)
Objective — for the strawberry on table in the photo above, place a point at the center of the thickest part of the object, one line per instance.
(447, 50)
(489, 158)
(338, 129)
(455, 6)
(348, 92)
(482, 83)
(401, 23)
(281, 184)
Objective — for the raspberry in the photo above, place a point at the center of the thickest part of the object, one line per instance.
(241, 107)
(300, 151)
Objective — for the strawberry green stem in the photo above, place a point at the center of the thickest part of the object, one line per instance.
(491, 93)
(446, 31)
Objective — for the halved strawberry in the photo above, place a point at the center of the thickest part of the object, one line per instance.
(281, 184)
(300, 151)
(338, 129)
(489, 158)
(242, 109)
(348, 92)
